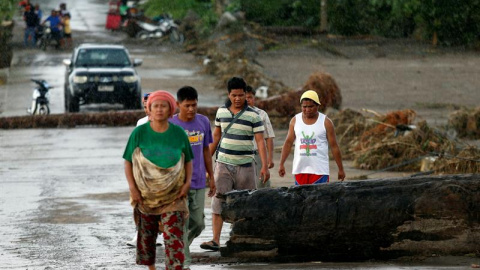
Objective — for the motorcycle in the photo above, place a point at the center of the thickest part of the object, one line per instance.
(46, 37)
(162, 26)
(40, 98)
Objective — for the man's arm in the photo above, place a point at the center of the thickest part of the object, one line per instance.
(268, 134)
(262, 151)
(132, 186)
(216, 134)
(269, 142)
(287, 146)
(207, 157)
(332, 142)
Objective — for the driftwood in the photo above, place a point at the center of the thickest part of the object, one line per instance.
(356, 220)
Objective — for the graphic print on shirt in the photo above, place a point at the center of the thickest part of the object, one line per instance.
(195, 137)
(307, 143)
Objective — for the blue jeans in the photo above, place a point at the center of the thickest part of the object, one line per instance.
(29, 32)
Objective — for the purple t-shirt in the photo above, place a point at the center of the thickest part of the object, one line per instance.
(200, 135)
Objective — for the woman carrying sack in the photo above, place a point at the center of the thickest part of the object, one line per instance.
(158, 167)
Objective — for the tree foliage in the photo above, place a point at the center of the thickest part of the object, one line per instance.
(453, 22)
(7, 9)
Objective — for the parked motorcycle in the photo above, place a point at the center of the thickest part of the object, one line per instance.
(40, 98)
(164, 26)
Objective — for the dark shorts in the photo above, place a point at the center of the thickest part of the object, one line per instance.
(67, 35)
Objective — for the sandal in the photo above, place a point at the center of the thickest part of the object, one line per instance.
(211, 245)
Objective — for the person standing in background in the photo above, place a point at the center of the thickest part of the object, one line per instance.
(67, 31)
(144, 120)
(31, 24)
(39, 12)
(268, 134)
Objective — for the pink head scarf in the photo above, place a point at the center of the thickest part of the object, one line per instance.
(162, 95)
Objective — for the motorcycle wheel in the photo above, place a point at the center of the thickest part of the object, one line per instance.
(44, 110)
(142, 35)
(176, 37)
(44, 44)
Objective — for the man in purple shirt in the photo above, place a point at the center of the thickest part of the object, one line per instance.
(199, 133)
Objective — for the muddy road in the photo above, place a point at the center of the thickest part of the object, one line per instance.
(64, 202)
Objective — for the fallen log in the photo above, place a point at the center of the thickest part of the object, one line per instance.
(70, 120)
(356, 220)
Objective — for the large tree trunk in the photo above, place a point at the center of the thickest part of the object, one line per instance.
(323, 16)
(6, 49)
(357, 219)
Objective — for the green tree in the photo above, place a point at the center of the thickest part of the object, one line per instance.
(7, 9)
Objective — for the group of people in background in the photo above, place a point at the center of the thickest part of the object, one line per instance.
(171, 158)
(58, 21)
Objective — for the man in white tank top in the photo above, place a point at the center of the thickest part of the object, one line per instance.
(313, 134)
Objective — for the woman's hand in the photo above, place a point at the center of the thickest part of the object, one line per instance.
(136, 195)
(184, 191)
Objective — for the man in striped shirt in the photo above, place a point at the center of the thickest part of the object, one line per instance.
(234, 150)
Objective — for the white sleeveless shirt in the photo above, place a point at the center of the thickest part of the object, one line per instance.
(311, 147)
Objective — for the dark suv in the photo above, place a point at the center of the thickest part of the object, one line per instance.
(101, 74)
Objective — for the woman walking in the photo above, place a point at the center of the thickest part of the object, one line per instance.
(158, 167)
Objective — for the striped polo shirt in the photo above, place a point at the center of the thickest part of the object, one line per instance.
(236, 147)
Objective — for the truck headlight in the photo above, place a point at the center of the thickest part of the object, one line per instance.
(80, 79)
(130, 79)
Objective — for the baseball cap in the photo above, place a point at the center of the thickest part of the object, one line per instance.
(310, 94)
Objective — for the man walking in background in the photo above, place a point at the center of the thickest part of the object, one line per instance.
(268, 135)
(199, 133)
(236, 126)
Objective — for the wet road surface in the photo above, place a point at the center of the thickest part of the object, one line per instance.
(64, 205)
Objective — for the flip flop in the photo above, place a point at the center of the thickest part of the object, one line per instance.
(210, 245)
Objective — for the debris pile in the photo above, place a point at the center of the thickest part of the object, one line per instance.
(70, 120)
(376, 151)
(326, 88)
(466, 122)
(234, 61)
(466, 161)
(349, 127)
(288, 104)
(231, 51)
(112, 118)
(393, 142)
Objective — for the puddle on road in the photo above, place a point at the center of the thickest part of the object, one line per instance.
(65, 211)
